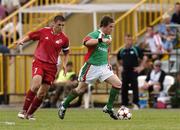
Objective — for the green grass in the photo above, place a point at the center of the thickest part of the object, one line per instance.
(92, 119)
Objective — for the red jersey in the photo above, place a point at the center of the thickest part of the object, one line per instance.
(49, 45)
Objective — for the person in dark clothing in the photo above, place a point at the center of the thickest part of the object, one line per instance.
(129, 57)
(176, 15)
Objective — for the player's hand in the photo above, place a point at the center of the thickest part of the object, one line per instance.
(107, 41)
(17, 43)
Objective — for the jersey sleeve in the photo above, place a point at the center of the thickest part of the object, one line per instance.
(92, 35)
(65, 47)
(35, 35)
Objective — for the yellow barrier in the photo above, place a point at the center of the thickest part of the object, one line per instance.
(29, 20)
(1, 75)
(136, 20)
(18, 74)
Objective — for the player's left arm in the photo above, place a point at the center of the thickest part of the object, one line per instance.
(65, 50)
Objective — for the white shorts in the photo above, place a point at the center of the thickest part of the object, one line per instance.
(90, 73)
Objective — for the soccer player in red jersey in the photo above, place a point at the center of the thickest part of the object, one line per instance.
(44, 67)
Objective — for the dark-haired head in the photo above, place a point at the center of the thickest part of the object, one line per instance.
(107, 25)
(105, 21)
(177, 7)
(59, 18)
(59, 21)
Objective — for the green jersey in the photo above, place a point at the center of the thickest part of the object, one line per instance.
(97, 55)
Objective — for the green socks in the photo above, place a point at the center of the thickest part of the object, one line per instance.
(112, 96)
(69, 98)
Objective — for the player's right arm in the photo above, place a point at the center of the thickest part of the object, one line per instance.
(21, 41)
(92, 40)
(31, 36)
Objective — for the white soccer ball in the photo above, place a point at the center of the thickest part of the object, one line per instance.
(124, 113)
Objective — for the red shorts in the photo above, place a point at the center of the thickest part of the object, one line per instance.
(46, 70)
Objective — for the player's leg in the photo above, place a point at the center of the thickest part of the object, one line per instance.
(116, 85)
(82, 86)
(87, 74)
(37, 100)
(84, 74)
(48, 71)
(36, 82)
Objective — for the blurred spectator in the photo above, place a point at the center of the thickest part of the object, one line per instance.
(167, 33)
(155, 78)
(63, 85)
(176, 15)
(168, 43)
(9, 30)
(4, 49)
(153, 42)
(3, 12)
(164, 28)
(10, 5)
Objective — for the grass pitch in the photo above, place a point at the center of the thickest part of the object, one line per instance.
(91, 119)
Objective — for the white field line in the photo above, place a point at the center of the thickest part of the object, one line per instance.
(7, 123)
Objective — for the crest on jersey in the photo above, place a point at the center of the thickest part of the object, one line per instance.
(131, 52)
(59, 41)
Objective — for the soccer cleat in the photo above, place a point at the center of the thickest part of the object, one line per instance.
(61, 111)
(30, 117)
(111, 112)
(22, 114)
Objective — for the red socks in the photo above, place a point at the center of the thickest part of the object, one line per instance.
(28, 100)
(34, 106)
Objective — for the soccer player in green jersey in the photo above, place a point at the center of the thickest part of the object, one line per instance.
(96, 67)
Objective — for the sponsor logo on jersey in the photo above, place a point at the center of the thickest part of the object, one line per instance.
(46, 38)
(102, 49)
